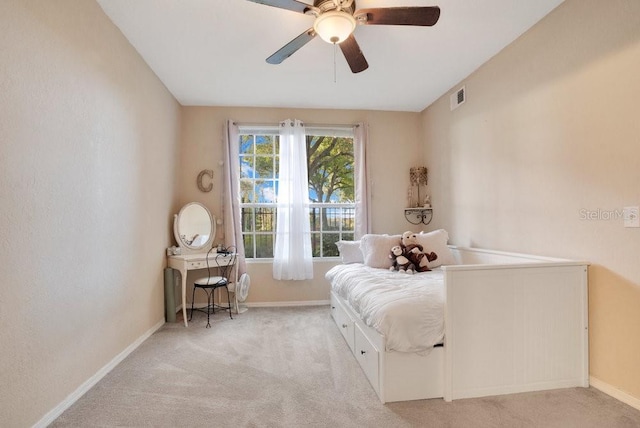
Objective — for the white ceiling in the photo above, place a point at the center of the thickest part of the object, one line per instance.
(212, 52)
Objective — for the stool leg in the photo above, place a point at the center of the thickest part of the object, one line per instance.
(193, 298)
(209, 305)
(229, 300)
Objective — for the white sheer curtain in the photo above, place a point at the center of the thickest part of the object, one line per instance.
(363, 223)
(293, 258)
(231, 195)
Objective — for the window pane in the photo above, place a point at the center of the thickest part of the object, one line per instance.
(315, 244)
(248, 246)
(264, 167)
(247, 219)
(348, 237)
(330, 168)
(247, 168)
(348, 218)
(266, 191)
(246, 144)
(329, 248)
(265, 219)
(264, 246)
(264, 144)
(314, 219)
(246, 191)
(331, 218)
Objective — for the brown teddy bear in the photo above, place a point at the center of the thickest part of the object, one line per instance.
(415, 253)
(400, 262)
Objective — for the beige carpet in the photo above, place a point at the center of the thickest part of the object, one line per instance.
(289, 367)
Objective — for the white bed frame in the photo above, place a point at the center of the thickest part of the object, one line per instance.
(513, 323)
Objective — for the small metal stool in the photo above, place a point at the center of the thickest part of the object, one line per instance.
(224, 264)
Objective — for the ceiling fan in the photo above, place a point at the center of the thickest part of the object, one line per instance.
(335, 21)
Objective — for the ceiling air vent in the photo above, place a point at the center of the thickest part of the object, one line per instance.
(457, 98)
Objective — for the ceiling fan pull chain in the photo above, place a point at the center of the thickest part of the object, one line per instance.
(335, 48)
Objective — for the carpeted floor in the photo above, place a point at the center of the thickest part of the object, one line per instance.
(290, 367)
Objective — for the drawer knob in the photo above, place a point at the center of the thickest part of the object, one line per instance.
(333, 307)
(344, 326)
(363, 352)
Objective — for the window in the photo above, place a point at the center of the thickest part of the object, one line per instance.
(330, 167)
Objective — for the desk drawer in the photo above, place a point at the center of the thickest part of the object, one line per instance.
(196, 265)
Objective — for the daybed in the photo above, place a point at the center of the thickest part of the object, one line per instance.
(507, 322)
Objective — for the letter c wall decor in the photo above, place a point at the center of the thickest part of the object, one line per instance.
(201, 186)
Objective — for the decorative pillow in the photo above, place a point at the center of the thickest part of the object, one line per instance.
(350, 251)
(376, 248)
(436, 241)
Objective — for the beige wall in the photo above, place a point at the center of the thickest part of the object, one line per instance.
(551, 127)
(393, 147)
(90, 164)
(88, 137)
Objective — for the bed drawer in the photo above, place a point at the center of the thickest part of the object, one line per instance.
(334, 306)
(368, 358)
(344, 321)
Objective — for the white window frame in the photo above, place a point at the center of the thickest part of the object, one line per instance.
(251, 251)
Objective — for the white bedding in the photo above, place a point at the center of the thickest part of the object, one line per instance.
(408, 310)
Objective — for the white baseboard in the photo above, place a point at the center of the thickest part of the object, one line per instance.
(267, 304)
(89, 383)
(280, 304)
(615, 392)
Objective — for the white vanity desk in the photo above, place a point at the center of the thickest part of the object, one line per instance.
(186, 262)
(195, 231)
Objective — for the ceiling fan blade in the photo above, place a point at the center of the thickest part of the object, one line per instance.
(290, 48)
(293, 5)
(353, 54)
(424, 16)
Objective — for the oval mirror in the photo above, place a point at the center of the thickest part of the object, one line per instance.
(194, 227)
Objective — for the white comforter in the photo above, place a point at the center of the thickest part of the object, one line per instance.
(408, 310)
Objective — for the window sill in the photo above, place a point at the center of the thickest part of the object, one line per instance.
(315, 260)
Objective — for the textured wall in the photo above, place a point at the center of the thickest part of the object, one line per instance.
(88, 138)
(549, 134)
(393, 148)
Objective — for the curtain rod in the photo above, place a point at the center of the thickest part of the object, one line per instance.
(310, 125)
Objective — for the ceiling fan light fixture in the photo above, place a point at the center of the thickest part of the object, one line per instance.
(334, 26)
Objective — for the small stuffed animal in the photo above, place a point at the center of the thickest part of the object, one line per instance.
(414, 252)
(400, 262)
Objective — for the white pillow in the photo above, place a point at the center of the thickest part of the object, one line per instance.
(350, 251)
(436, 241)
(376, 249)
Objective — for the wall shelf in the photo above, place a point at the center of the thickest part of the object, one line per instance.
(418, 215)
